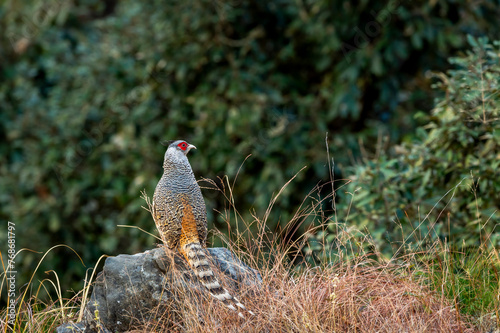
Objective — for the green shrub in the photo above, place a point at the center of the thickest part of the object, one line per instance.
(444, 183)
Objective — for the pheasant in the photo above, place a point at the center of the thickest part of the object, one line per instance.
(180, 215)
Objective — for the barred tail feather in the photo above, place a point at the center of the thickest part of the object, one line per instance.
(199, 262)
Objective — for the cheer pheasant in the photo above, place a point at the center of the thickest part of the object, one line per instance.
(180, 215)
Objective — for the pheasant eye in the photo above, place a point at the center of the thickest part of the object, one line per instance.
(182, 145)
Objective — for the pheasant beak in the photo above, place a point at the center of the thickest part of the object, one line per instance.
(191, 147)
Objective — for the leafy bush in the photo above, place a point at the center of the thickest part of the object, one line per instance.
(445, 182)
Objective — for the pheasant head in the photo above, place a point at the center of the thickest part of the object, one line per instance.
(177, 153)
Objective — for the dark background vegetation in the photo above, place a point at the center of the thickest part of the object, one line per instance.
(88, 89)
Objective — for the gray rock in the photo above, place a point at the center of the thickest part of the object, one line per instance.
(136, 289)
(80, 327)
(71, 328)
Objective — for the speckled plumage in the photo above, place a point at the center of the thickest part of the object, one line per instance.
(180, 215)
(177, 191)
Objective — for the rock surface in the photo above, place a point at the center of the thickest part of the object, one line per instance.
(136, 289)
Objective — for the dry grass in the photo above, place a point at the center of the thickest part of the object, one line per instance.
(365, 297)
(351, 293)
(354, 300)
(354, 291)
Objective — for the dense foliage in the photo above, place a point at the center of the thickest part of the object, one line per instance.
(444, 183)
(88, 88)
